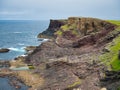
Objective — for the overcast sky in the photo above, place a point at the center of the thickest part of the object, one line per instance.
(57, 9)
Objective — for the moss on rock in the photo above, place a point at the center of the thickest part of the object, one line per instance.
(111, 58)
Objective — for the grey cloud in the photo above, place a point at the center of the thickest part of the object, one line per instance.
(60, 8)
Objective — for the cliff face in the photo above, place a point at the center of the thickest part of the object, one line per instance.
(76, 31)
(53, 27)
(71, 60)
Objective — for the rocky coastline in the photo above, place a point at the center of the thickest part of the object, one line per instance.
(70, 59)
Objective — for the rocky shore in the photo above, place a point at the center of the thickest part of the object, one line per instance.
(7, 73)
(71, 58)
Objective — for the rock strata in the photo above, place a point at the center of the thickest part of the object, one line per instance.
(71, 59)
(53, 27)
(76, 31)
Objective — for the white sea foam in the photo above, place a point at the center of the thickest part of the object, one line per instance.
(23, 55)
(17, 49)
(17, 32)
(45, 40)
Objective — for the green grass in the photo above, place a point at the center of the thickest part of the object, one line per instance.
(118, 88)
(117, 22)
(68, 27)
(65, 27)
(115, 62)
(110, 59)
(75, 32)
(72, 28)
(59, 32)
(74, 84)
(31, 67)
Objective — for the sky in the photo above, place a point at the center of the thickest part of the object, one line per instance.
(58, 9)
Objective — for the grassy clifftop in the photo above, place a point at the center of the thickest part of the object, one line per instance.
(110, 58)
(75, 27)
(117, 22)
(79, 27)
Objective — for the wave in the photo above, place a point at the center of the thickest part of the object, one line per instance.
(42, 39)
(17, 49)
(17, 32)
(45, 40)
(23, 55)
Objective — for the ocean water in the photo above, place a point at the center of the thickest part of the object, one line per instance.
(4, 85)
(17, 34)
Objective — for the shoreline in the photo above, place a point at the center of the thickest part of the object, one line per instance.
(27, 49)
(72, 57)
(13, 80)
(10, 71)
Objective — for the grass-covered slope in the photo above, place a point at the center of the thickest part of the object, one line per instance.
(117, 22)
(111, 58)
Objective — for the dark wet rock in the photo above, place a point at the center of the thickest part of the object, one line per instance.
(112, 76)
(111, 80)
(40, 39)
(119, 54)
(4, 50)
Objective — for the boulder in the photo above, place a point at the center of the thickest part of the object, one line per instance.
(4, 50)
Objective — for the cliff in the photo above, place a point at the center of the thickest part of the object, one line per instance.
(72, 32)
(72, 59)
(53, 27)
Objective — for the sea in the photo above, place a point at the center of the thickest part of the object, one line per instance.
(5, 85)
(17, 34)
